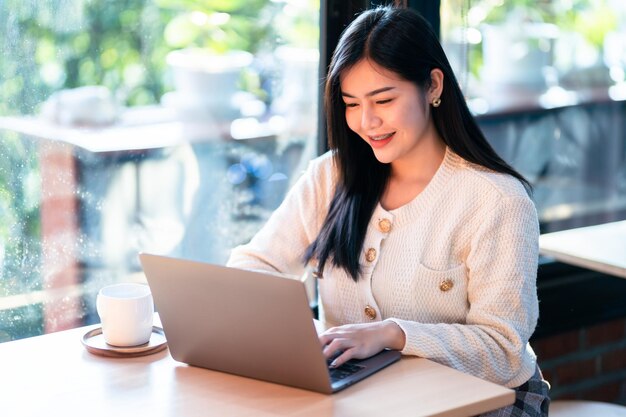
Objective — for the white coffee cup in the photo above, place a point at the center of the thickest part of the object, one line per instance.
(126, 311)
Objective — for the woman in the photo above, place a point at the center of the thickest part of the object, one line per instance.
(422, 238)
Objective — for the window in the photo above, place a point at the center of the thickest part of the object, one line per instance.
(164, 126)
(546, 80)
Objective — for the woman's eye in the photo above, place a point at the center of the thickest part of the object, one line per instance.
(351, 104)
(384, 101)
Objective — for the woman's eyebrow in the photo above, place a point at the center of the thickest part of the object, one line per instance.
(370, 94)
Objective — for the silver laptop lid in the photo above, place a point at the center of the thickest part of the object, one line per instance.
(241, 322)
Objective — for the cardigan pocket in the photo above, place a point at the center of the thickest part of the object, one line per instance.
(442, 294)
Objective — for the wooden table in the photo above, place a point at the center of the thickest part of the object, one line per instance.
(54, 375)
(601, 248)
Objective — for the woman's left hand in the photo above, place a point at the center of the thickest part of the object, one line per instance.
(361, 341)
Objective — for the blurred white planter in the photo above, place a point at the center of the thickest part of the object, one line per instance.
(515, 54)
(206, 84)
(92, 105)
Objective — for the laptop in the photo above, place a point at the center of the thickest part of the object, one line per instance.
(247, 323)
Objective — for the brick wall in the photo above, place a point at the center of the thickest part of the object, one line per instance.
(586, 364)
(59, 235)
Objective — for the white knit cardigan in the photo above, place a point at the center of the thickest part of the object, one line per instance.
(456, 270)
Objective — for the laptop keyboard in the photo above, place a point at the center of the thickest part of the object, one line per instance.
(343, 371)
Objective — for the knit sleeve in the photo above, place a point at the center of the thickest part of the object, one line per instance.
(280, 244)
(502, 296)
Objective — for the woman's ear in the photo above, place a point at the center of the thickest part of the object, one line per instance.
(436, 84)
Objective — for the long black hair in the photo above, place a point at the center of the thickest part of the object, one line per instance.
(403, 42)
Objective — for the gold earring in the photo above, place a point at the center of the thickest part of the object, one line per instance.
(436, 102)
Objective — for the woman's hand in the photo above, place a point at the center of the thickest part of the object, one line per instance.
(361, 341)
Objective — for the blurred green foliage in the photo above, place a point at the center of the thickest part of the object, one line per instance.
(66, 44)
(592, 19)
(19, 214)
(220, 25)
(122, 44)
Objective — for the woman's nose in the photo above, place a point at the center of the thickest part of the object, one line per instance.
(369, 118)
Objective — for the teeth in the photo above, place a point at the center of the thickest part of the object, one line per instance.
(382, 137)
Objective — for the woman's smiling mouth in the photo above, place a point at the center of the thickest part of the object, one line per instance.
(381, 140)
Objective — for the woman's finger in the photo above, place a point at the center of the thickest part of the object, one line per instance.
(330, 334)
(334, 346)
(345, 356)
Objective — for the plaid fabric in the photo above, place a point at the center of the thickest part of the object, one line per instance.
(531, 400)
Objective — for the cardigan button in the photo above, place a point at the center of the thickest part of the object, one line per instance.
(446, 285)
(384, 225)
(370, 255)
(370, 312)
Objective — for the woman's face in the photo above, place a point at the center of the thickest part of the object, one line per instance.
(389, 113)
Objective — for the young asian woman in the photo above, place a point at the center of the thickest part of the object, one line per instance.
(421, 237)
